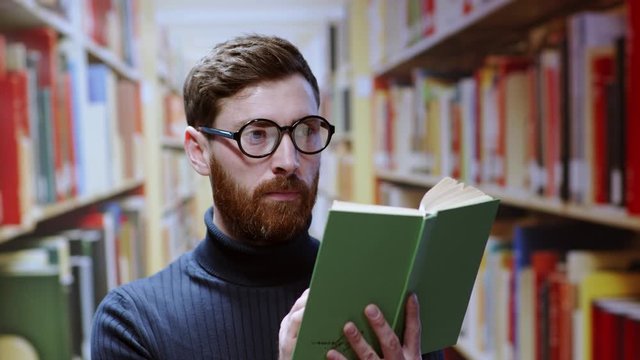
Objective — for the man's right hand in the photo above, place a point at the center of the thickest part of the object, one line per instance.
(290, 326)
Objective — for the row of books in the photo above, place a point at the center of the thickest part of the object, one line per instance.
(175, 120)
(114, 24)
(52, 282)
(172, 67)
(545, 291)
(71, 128)
(178, 178)
(395, 26)
(182, 229)
(109, 24)
(551, 122)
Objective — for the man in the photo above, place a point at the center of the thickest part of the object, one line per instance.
(251, 106)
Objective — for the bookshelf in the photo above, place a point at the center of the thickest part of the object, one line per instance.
(51, 212)
(76, 144)
(448, 99)
(597, 214)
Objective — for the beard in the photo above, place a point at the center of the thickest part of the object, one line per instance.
(256, 219)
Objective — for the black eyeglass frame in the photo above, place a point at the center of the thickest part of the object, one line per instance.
(281, 130)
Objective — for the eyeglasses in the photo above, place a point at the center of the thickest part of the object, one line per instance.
(260, 137)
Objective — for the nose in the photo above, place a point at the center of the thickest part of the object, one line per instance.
(285, 160)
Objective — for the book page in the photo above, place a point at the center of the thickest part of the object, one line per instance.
(373, 209)
(449, 193)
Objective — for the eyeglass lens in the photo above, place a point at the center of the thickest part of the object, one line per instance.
(261, 137)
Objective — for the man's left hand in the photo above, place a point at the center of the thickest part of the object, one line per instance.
(390, 345)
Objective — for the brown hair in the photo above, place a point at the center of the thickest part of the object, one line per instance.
(235, 64)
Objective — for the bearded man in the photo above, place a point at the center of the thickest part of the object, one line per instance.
(254, 130)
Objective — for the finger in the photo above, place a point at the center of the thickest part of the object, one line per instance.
(294, 320)
(389, 342)
(359, 345)
(289, 329)
(301, 302)
(335, 355)
(413, 327)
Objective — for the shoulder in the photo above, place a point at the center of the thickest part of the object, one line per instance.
(123, 322)
(138, 295)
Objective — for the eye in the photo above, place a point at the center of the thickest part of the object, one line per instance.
(255, 136)
(307, 129)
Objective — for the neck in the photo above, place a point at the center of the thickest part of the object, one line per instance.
(251, 265)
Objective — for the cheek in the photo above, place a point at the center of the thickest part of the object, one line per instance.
(238, 167)
(309, 167)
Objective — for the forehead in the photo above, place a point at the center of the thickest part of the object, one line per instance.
(282, 101)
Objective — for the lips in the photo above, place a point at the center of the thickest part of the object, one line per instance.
(283, 195)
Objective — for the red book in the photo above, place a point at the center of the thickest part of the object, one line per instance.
(600, 331)
(602, 67)
(543, 263)
(552, 114)
(558, 312)
(3, 55)
(456, 138)
(467, 7)
(428, 17)
(477, 152)
(100, 10)
(631, 329)
(14, 115)
(533, 131)
(608, 317)
(44, 41)
(633, 107)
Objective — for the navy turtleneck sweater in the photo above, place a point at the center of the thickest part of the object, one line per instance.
(223, 300)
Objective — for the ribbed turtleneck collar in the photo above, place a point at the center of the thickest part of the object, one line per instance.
(248, 265)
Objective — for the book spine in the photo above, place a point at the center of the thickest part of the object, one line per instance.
(633, 108)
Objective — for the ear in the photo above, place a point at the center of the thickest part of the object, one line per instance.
(196, 145)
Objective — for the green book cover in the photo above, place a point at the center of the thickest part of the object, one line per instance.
(35, 284)
(380, 254)
(35, 307)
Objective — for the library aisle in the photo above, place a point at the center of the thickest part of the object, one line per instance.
(532, 101)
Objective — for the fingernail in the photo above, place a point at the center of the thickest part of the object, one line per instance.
(371, 311)
(350, 329)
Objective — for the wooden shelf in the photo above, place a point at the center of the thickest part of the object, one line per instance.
(109, 58)
(52, 211)
(598, 214)
(17, 14)
(489, 30)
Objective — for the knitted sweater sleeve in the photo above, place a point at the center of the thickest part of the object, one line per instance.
(114, 334)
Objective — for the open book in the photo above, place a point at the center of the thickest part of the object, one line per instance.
(380, 254)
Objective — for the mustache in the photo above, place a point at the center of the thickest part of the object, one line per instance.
(281, 183)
